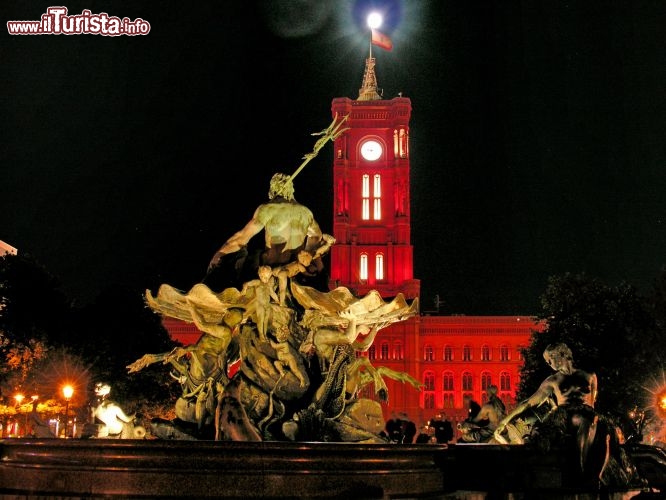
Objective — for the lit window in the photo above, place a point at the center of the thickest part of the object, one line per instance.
(363, 272)
(428, 354)
(429, 381)
(448, 353)
(397, 349)
(467, 353)
(505, 381)
(485, 381)
(447, 381)
(485, 353)
(379, 266)
(385, 351)
(404, 144)
(365, 197)
(447, 400)
(467, 383)
(377, 198)
(429, 388)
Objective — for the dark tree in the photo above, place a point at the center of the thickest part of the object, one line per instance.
(40, 333)
(32, 304)
(114, 331)
(33, 313)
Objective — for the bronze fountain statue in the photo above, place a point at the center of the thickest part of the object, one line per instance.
(293, 347)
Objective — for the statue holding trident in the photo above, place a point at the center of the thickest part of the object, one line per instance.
(289, 227)
(278, 392)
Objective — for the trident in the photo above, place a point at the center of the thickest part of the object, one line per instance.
(333, 131)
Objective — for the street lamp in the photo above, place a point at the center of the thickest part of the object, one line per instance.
(19, 399)
(67, 391)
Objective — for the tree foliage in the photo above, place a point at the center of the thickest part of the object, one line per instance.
(45, 340)
(116, 330)
(32, 304)
(611, 330)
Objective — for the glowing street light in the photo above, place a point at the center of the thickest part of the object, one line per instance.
(68, 392)
(19, 399)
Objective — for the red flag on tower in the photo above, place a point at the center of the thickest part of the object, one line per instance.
(381, 40)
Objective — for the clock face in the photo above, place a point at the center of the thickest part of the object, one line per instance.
(371, 150)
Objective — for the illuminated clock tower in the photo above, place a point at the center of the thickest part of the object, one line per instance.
(371, 213)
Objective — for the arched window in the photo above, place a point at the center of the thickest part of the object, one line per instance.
(372, 352)
(467, 384)
(447, 381)
(428, 353)
(448, 400)
(398, 351)
(385, 350)
(519, 351)
(485, 381)
(485, 353)
(429, 389)
(448, 353)
(504, 353)
(363, 271)
(365, 197)
(379, 266)
(467, 353)
(505, 381)
(448, 390)
(429, 381)
(377, 198)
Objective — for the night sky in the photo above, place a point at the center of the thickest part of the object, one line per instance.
(537, 137)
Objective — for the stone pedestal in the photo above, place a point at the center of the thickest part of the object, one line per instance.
(113, 468)
(59, 468)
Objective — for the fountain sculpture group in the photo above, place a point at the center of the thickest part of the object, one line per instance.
(277, 359)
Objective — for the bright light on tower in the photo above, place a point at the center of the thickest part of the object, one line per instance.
(374, 20)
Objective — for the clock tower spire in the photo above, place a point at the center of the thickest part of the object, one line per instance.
(372, 219)
(369, 90)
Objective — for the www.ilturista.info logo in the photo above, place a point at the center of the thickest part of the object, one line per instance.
(55, 21)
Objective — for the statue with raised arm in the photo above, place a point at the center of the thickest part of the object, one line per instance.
(573, 419)
(295, 347)
(201, 370)
(288, 226)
